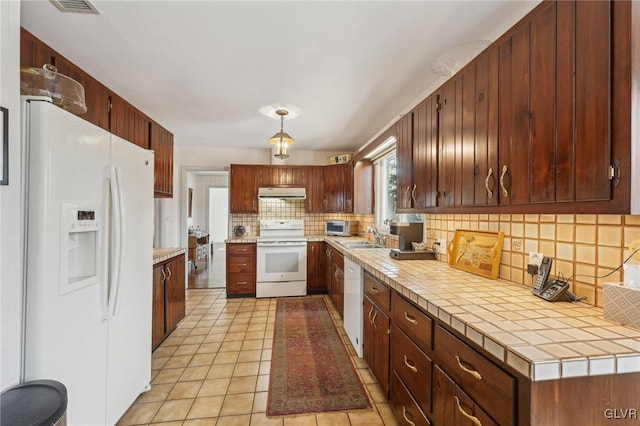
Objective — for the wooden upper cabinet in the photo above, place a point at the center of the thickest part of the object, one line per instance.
(425, 154)
(161, 142)
(404, 162)
(485, 171)
(338, 188)
(363, 187)
(109, 111)
(449, 170)
(128, 122)
(593, 114)
(283, 176)
(34, 53)
(243, 185)
(314, 184)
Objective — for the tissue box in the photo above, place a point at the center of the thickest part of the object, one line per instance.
(621, 304)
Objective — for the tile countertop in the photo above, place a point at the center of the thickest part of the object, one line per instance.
(254, 239)
(162, 254)
(540, 339)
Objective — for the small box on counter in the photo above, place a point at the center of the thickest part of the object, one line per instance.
(621, 304)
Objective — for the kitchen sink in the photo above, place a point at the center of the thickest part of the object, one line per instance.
(359, 245)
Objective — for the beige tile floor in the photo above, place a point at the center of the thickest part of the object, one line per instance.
(214, 370)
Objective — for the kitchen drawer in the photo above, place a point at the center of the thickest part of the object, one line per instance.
(241, 284)
(241, 249)
(413, 366)
(491, 387)
(241, 264)
(404, 406)
(377, 292)
(413, 321)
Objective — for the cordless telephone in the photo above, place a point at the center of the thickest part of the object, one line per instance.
(554, 290)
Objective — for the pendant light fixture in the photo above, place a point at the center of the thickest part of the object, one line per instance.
(281, 139)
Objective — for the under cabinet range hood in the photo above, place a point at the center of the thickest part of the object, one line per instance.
(282, 193)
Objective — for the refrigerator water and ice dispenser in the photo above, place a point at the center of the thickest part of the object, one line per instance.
(79, 251)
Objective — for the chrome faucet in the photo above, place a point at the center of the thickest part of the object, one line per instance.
(379, 238)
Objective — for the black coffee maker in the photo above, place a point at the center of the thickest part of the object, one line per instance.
(408, 232)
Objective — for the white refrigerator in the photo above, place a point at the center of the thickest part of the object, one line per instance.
(88, 273)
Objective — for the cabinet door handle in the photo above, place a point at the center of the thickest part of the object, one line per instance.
(505, 192)
(164, 276)
(371, 313)
(486, 182)
(413, 195)
(409, 365)
(375, 290)
(169, 275)
(406, 197)
(474, 373)
(473, 419)
(410, 318)
(373, 320)
(404, 414)
(335, 273)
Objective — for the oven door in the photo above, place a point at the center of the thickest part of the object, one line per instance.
(281, 261)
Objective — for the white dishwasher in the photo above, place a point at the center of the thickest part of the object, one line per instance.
(353, 303)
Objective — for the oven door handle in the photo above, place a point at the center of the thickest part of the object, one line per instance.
(303, 244)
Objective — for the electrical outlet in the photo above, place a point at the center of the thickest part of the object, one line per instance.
(442, 248)
(535, 258)
(517, 244)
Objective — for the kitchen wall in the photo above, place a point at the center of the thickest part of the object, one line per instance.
(10, 204)
(173, 217)
(585, 245)
(294, 209)
(200, 185)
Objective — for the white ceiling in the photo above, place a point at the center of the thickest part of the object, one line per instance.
(203, 68)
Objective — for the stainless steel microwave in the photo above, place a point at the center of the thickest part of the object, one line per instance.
(343, 228)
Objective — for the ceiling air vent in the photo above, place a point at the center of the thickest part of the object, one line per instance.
(76, 6)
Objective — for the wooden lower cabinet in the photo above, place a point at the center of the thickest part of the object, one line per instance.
(375, 342)
(404, 406)
(451, 406)
(316, 269)
(168, 306)
(447, 380)
(335, 278)
(241, 269)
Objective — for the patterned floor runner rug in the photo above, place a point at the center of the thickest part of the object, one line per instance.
(310, 368)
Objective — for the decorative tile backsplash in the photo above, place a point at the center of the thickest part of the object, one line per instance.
(294, 209)
(582, 246)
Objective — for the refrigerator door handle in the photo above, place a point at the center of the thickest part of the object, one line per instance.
(116, 229)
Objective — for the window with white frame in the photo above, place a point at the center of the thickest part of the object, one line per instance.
(385, 190)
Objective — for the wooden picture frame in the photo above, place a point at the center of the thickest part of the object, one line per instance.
(4, 146)
(476, 251)
(190, 203)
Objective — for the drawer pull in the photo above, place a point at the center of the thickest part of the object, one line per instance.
(242, 264)
(409, 365)
(410, 318)
(404, 414)
(375, 290)
(241, 249)
(474, 373)
(241, 283)
(474, 419)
